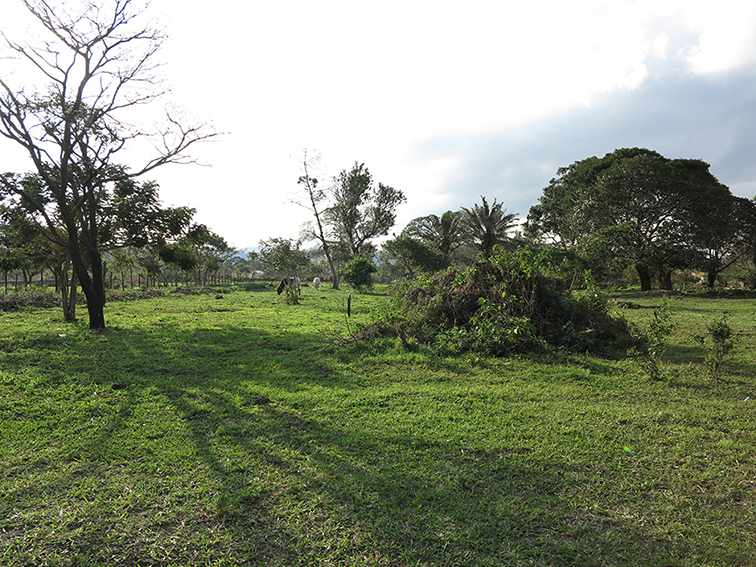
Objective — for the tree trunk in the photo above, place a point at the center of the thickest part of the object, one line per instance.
(69, 299)
(93, 286)
(96, 298)
(334, 273)
(711, 279)
(67, 289)
(644, 275)
(665, 279)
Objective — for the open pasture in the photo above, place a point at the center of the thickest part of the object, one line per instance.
(198, 430)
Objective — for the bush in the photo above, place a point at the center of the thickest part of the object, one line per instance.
(718, 344)
(29, 297)
(358, 273)
(508, 303)
(653, 341)
(291, 295)
(132, 294)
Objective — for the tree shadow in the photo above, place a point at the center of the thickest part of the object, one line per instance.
(294, 487)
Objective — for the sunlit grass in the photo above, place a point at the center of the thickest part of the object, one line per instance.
(239, 432)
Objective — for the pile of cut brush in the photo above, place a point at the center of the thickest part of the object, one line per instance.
(510, 302)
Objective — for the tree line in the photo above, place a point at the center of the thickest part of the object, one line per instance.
(353, 211)
(85, 209)
(631, 208)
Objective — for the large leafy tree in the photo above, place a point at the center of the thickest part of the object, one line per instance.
(633, 204)
(443, 233)
(360, 210)
(488, 224)
(94, 67)
(724, 230)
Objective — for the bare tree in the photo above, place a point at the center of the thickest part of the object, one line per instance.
(317, 198)
(97, 66)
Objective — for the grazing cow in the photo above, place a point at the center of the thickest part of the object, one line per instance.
(316, 283)
(282, 286)
(290, 282)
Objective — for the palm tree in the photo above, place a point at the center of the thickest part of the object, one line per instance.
(487, 225)
(444, 233)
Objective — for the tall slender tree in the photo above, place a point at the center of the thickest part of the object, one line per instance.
(316, 197)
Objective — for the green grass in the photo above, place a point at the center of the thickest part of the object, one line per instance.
(244, 435)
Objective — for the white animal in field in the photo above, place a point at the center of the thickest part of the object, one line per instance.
(316, 283)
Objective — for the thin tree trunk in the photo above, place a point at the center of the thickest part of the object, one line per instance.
(644, 275)
(68, 292)
(321, 232)
(665, 279)
(711, 279)
(69, 297)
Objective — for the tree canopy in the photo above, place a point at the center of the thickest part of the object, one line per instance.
(360, 210)
(488, 225)
(633, 204)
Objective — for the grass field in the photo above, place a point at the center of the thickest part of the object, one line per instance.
(237, 433)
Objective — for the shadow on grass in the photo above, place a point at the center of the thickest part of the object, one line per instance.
(331, 492)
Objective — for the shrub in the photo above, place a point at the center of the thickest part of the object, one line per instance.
(291, 295)
(257, 286)
(133, 294)
(509, 302)
(653, 341)
(718, 344)
(29, 297)
(358, 273)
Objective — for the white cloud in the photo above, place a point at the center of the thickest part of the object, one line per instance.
(369, 81)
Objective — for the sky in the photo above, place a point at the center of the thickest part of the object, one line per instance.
(446, 101)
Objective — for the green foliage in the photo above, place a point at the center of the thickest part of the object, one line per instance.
(506, 303)
(44, 297)
(444, 234)
(718, 343)
(653, 341)
(29, 297)
(358, 273)
(411, 255)
(291, 295)
(181, 255)
(283, 257)
(359, 209)
(488, 225)
(638, 207)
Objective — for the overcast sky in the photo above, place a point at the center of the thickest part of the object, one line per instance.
(444, 100)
